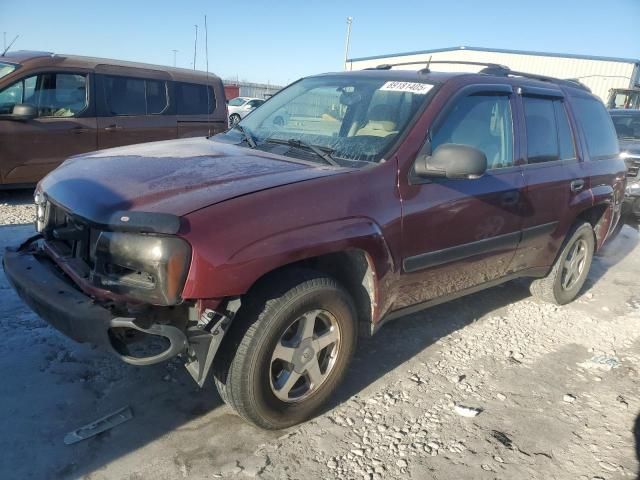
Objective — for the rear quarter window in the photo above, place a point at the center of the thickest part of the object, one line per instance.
(194, 99)
(597, 127)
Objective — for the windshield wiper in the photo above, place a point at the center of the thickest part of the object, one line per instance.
(322, 152)
(246, 135)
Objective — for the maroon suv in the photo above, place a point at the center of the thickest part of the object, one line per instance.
(344, 201)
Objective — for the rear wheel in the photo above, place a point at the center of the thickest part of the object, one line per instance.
(288, 351)
(570, 270)
(234, 118)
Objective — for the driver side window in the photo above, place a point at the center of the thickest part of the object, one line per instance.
(53, 94)
(483, 122)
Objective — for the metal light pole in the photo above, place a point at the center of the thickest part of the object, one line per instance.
(195, 48)
(346, 47)
(174, 57)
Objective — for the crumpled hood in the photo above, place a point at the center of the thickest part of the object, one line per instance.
(175, 177)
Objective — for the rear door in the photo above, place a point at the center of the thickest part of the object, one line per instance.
(457, 234)
(198, 109)
(65, 124)
(606, 168)
(133, 110)
(556, 177)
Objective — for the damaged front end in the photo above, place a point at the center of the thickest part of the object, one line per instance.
(117, 283)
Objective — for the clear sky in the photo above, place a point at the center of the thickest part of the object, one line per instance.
(282, 40)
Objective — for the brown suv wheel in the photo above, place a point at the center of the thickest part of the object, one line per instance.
(570, 270)
(294, 343)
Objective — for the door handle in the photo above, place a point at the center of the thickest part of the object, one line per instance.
(112, 128)
(78, 130)
(510, 199)
(576, 185)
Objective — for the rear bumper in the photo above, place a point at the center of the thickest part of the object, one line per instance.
(55, 298)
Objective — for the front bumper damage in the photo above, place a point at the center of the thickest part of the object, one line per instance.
(55, 298)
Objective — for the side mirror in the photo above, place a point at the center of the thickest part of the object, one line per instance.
(24, 111)
(452, 160)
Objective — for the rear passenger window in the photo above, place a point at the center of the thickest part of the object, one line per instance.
(134, 96)
(597, 127)
(565, 137)
(549, 135)
(542, 136)
(483, 122)
(194, 99)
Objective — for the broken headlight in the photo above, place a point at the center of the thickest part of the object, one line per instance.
(148, 268)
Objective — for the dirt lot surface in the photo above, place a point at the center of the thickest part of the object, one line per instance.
(556, 390)
(16, 207)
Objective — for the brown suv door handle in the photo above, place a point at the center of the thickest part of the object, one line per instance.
(112, 128)
(78, 130)
(577, 185)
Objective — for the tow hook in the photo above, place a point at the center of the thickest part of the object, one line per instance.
(177, 341)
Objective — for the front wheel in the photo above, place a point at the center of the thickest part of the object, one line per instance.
(570, 270)
(234, 119)
(294, 342)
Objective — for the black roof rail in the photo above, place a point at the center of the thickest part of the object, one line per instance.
(543, 78)
(490, 69)
(389, 66)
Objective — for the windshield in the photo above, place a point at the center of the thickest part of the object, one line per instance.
(627, 126)
(353, 118)
(236, 102)
(6, 69)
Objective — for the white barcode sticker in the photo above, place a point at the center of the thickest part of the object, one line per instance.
(412, 87)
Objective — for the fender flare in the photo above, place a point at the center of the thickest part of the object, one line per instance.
(249, 263)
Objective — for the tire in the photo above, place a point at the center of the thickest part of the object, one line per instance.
(252, 375)
(234, 118)
(558, 286)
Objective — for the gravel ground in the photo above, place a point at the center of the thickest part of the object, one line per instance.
(496, 385)
(16, 207)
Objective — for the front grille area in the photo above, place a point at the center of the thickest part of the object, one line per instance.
(633, 167)
(70, 237)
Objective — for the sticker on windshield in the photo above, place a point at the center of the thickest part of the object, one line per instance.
(412, 87)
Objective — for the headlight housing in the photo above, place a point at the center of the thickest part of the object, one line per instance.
(149, 268)
(43, 211)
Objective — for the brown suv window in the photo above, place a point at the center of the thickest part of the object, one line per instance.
(483, 122)
(53, 94)
(134, 96)
(549, 136)
(192, 99)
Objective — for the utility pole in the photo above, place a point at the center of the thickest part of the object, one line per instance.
(346, 48)
(174, 57)
(195, 48)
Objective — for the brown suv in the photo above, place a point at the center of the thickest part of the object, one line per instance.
(56, 106)
(344, 201)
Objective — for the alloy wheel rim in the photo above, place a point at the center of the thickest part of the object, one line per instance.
(304, 356)
(574, 265)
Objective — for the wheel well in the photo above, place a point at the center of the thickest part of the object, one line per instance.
(353, 269)
(597, 218)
